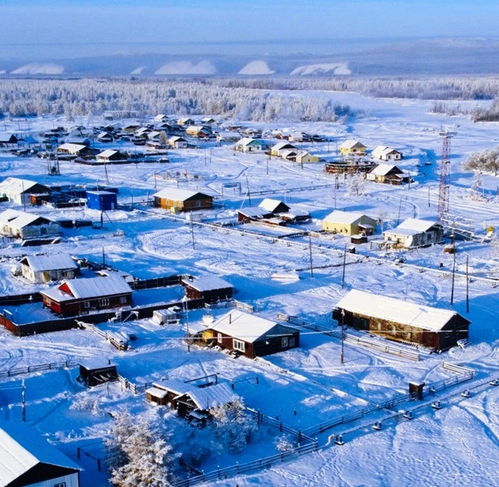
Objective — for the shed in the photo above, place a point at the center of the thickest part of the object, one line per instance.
(209, 288)
(96, 372)
(401, 320)
(27, 459)
(251, 335)
(175, 199)
(102, 200)
(349, 223)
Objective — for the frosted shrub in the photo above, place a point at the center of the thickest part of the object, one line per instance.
(86, 403)
(283, 443)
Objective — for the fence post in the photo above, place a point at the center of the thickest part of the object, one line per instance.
(78, 453)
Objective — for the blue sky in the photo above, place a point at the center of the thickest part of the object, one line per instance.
(203, 21)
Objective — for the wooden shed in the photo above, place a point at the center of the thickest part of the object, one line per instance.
(401, 320)
(209, 288)
(175, 199)
(96, 372)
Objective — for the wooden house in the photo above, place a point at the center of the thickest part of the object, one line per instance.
(277, 149)
(97, 371)
(304, 157)
(104, 137)
(8, 139)
(20, 190)
(349, 223)
(175, 199)
(289, 154)
(388, 174)
(185, 121)
(198, 131)
(352, 147)
(19, 224)
(46, 268)
(27, 459)
(73, 149)
(110, 156)
(273, 206)
(77, 296)
(208, 121)
(385, 153)
(160, 118)
(401, 320)
(189, 400)
(209, 288)
(413, 233)
(252, 213)
(178, 142)
(251, 335)
(248, 144)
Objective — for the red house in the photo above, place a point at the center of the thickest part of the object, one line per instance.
(78, 296)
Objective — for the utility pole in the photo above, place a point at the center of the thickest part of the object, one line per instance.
(428, 196)
(467, 287)
(103, 258)
(342, 355)
(23, 400)
(105, 172)
(248, 191)
(344, 265)
(268, 158)
(453, 270)
(310, 254)
(192, 233)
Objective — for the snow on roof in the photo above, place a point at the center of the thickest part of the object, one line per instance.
(351, 143)
(19, 219)
(270, 204)
(50, 262)
(89, 288)
(396, 310)
(176, 138)
(212, 396)
(249, 140)
(245, 326)
(155, 392)
(415, 224)
(383, 169)
(16, 185)
(207, 283)
(383, 150)
(177, 194)
(288, 152)
(107, 153)
(21, 449)
(177, 386)
(347, 217)
(71, 147)
(254, 212)
(96, 363)
(282, 145)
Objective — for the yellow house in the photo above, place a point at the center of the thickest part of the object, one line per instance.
(348, 223)
(352, 147)
(305, 157)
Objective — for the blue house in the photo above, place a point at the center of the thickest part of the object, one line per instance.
(102, 200)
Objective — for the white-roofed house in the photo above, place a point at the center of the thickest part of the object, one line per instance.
(188, 399)
(77, 296)
(177, 142)
(251, 335)
(73, 149)
(209, 288)
(413, 232)
(185, 121)
(104, 137)
(175, 199)
(401, 320)
(352, 147)
(20, 190)
(278, 149)
(389, 174)
(198, 131)
(349, 223)
(19, 224)
(249, 144)
(386, 153)
(274, 206)
(304, 157)
(46, 268)
(111, 155)
(27, 459)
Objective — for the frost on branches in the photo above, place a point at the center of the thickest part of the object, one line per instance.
(484, 162)
(140, 451)
(234, 429)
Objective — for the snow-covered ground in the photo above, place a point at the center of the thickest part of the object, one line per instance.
(303, 386)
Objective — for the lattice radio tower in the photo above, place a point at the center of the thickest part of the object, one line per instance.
(443, 191)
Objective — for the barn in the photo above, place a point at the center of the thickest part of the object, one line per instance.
(349, 223)
(401, 320)
(19, 224)
(20, 190)
(251, 335)
(190, 400)
(175, 199)
(74, 297)
(209, 288)
(46, 268)
(27, 459)
(102, 200)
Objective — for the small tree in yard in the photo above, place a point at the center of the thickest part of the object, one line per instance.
(283, 443)
(233, 427)
(140, 452)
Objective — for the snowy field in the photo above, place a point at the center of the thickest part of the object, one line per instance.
(456, 445)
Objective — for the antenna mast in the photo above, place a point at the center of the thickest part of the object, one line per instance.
(443, 192)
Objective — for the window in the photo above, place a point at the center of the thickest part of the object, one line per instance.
(123, 299)
(238, 345)
(284, 342)
(104, 302)
(60, 484)
(86, 304)
(219, 337)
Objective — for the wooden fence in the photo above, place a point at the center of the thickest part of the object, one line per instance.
(39, 367)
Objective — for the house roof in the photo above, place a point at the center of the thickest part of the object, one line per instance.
(384, 169)
(283, 145)
(254, 212)
(416, 224)
(271, 205)
(207, 283)
(17, 185)
(249, 141)
(21, 449)
(20, 219)
(245, 326)
(352, 143)
(174, 385)
(212, 396)
(155, 392)
(176, 138)
(347, 217)
(49, 262)
(383, 150)
(89, 288)
(288, 153)
(71, 147)
(108, 153)
(396, 310)
(177, 194)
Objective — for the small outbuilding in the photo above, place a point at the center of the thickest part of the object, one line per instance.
(175, 199)
(102, 200)
(46, 268)
(96, 372)
(401, 320)
(209, 288)
(349, 223)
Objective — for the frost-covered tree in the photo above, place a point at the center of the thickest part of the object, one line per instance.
(140, 451)
(283, 443)
(356, 185)
(484, 162)
(233, 427)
